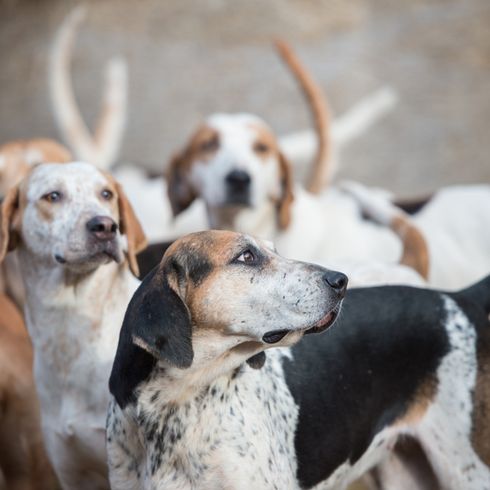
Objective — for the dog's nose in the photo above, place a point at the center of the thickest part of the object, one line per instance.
(238, 179)
(336, 280)
(102, 227)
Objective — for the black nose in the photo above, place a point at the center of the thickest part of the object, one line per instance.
(102, 227)
(238, 179)
(336, 280)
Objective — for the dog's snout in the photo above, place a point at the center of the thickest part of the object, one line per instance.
(102, 227)
(336, 280)
(238, 179)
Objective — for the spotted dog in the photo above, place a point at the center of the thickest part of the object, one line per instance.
(197, 404)
(76, 238)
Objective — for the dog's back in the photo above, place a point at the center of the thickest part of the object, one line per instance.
(399, 359)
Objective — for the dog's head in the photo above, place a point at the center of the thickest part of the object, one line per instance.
(232, 162)
(72, 216)
(217, 299)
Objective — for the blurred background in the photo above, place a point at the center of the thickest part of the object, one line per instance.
(189, 58)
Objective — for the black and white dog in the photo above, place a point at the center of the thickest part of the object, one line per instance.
(188, 411)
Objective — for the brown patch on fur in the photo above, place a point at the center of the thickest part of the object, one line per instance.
(287, 195)
(207, 250)
(480, 435)
(8, 235)
(265, 143)
(23, 460)
(202, 145)
(131, 227)
(415, 250)
(420, 403)
(20, 155)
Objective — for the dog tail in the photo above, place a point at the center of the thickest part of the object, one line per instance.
(322, 169)
(101, 149)
(479, 293)
(380, 209)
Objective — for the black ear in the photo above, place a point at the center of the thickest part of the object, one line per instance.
(157, 326)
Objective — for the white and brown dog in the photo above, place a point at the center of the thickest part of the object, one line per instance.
(76, 237)
(233, 162)
(189, 411)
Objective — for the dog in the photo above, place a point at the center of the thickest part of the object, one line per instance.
(196, 402)
(16, 159)
(234, 164)
(76, 237)
(24, 464)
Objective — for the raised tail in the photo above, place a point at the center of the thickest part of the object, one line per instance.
(378, 208)
(479, 293)
(102, 149)
(322, 170)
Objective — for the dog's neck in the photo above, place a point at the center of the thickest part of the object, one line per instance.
(259, 221)
(62, 304)
(179, 386)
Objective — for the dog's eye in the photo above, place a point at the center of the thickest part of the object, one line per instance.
(54, 196)
(261, 147)
(210, 144)
(107, 194)
(247, 257)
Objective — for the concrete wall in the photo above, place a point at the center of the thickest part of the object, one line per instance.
(190, 58)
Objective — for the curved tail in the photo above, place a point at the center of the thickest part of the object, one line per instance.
(319, 106)
(415, 252)
(101, 149)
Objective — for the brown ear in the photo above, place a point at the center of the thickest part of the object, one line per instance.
(9, 238)
(287, 195)
(179, 190)
(131, 227)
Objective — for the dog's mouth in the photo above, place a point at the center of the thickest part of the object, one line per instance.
(108, 251)
(321, 325)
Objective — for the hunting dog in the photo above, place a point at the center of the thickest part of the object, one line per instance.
(198, 404)
(77, 238)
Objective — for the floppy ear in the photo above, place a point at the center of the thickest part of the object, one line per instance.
(131, 227)
(287, 196)
(9, 238)
(157, 326)
(179, 190)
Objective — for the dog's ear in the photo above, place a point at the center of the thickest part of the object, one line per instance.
(180, 192)
(9, 237)
(131, 227)
(287, 196)
(157, 326)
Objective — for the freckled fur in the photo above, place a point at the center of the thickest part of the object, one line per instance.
(73, 311)
(217, 423)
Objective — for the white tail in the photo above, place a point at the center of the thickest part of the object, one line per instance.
(101, 149)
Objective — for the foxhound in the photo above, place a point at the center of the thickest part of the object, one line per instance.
(76, 238)
(216, 383)
(234, 164)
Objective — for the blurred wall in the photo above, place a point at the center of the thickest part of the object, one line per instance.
(188, 58)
